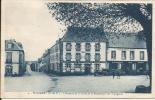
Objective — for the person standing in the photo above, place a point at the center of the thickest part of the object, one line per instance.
(113, 74)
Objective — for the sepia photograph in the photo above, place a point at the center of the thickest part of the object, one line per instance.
(85, 48)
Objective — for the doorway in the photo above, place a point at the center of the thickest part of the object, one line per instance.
(87, 68)
(8, 70)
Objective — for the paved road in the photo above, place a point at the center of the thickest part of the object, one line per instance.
(91, 84)
(33, 81)
(40, 82)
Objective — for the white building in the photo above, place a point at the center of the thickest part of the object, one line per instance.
(86, 51)
(72, 54)
(15, 58)
(128, 54)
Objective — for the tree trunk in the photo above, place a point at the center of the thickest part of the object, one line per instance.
(149, 51)
(148, 34)
(147, 28)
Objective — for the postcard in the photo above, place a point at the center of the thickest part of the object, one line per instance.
(77, 49)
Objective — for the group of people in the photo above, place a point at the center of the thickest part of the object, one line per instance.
(117, 73)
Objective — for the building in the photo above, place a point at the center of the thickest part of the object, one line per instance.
(39, 64)
(81, 53)
(127, 54)
(44, 62)
(87, 50)
(55, 60)
(33, 65)
(15, 58)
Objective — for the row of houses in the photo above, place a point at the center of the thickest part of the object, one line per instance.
(88, 50)
(15, 58)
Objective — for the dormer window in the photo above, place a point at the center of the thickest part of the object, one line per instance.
(10, 45)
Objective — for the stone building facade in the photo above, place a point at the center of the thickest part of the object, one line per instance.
(15, 58)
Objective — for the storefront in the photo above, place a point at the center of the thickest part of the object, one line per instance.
(129, 68)
(8, 70)
(87, 68)
(113, 66)
(141, 67)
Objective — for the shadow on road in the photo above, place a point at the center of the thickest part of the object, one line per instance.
(55, 83)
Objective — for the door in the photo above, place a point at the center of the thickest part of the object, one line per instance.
(87, 68)
(8, 70)
(127, 67)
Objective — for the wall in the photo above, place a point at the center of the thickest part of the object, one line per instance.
(53, 55)
(83, 52)
(92, 51)
(118, 54)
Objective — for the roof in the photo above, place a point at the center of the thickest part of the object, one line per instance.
(127, 42)
(87, 34)
(84, 34)
(16, 45)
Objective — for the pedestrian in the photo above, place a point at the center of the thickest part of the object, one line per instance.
(113, 74)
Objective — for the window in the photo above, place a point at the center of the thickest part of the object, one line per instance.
(58, 66)
(21, 58)
(113, 54)
(97, 67)
(68, 56)
(10, 45)
(123, 55)
(132, 55)
(77, 67)
(97, 57)
(68, 64)
(87, 56)
(68, 67)
(68, 47)
(78, 47)
(78, 57)
(97, 47)
(57, 56)
(9, 57)
(8, 70)
(87, 46)
(141, 55)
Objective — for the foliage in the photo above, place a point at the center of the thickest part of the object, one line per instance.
(112, 17)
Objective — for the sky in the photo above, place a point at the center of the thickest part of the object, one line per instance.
(29, 22)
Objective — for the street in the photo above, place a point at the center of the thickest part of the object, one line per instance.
(40, 82)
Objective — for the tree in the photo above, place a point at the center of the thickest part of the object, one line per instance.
(113, 18)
